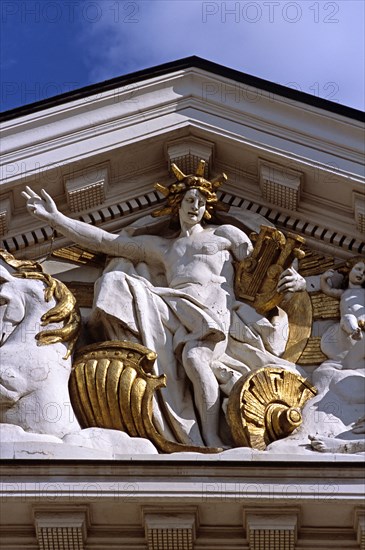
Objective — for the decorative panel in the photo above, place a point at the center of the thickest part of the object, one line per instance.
(187, 152)
(175, 530)
(268, 530)
(61, 529)
(87, 189)
(279, 185)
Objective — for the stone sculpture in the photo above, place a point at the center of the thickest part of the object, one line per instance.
(34, 384)
(341, 378)
(188, 338)
(40, 323)
(173, 292)
(344, 343)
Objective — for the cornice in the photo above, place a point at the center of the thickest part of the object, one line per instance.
(184, 65)
(282, 134)
(181, 91)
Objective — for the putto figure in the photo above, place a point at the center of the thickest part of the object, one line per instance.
(173, 291)
(345, 341)
(341, 378)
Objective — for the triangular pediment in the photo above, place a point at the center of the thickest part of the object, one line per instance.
(296, 160)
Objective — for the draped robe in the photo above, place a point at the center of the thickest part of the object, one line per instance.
(134, 302)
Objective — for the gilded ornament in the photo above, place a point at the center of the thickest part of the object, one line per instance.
(79, 256)
(257, 276)
(266, 406)
(65, 311)
(300, 316)
(112, 386)
(325, 307)
(312, 353)
(175, 192)
(314, 263)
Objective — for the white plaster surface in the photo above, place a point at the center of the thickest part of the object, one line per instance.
(90, 443)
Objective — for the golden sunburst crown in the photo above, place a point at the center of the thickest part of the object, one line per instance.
(176, 191)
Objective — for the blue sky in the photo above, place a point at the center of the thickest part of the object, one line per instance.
(49, 47)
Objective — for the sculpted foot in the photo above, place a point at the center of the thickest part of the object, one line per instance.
(332, 445)
(326, 444)
(359, 426)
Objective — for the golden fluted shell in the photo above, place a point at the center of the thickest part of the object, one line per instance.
(112, 386)
(265, 406)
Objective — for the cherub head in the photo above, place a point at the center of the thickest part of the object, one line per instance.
(353, 272)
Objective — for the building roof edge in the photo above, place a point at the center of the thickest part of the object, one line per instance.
(181, 64)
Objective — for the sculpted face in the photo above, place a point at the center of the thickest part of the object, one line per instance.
(357, 274)
(192, 207)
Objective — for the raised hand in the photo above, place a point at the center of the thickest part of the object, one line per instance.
(291, 281)
(330, 282)
(43, 208)
(326, 279)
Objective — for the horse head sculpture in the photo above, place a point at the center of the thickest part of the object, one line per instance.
(35, 362)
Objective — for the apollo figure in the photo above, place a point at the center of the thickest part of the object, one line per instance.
(193, 311)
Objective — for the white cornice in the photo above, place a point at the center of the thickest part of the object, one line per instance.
(271, 117)
(134, 123)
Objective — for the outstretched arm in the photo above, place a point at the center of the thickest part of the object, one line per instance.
(93, 238)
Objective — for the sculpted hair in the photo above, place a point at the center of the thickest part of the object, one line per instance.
(345, 270)
(65, 311)
(174, 194)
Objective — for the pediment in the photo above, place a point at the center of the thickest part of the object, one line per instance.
(298, 162)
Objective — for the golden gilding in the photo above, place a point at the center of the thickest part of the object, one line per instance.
(266, 406)
(112, 386)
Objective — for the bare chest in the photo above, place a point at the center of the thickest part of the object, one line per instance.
(194, 247)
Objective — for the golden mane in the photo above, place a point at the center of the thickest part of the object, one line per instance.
(65, 311)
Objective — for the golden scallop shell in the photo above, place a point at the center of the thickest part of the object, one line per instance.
(266, 406)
